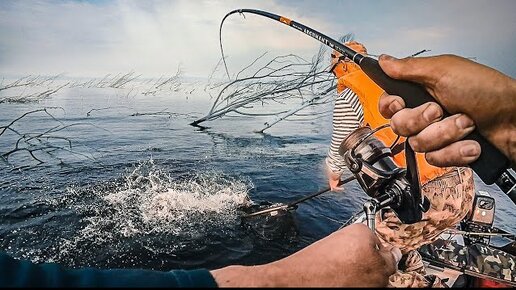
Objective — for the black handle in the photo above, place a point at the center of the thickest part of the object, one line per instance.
(507, 183)
(512, 195)
(489, 166)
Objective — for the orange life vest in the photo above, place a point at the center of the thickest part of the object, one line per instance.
(351, 76)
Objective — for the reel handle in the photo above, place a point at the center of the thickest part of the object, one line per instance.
(370, 208)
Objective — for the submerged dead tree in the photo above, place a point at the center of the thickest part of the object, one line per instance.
(134, 83)
(172, 83)
(40, 144)
(28, 81)
(29, 89)
(33, 96)
(277, 83)
(273, 83)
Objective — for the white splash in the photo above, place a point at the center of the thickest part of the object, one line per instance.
(150, 201)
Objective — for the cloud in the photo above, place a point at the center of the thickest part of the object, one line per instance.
(155, 37)
(148, 37)
(474, 28)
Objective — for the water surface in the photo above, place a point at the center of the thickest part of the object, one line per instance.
(140, 190)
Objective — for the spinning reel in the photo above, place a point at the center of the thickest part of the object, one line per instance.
(388, 185)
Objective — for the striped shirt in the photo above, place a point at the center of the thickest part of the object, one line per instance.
(347, 117)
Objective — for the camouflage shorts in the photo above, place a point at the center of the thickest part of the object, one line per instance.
(450, 196)
(413, 274)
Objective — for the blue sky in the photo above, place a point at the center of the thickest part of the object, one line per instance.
(92, 38)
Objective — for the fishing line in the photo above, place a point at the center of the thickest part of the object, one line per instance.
(273, 210)
(492, 166)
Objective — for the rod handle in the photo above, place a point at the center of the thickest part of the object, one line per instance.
(489, 166)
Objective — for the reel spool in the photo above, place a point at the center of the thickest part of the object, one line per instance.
(370, 160)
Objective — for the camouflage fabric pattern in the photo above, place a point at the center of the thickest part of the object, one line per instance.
(414, 280)
(414, 262)
(492, 262)
(477, 258)
(413, 274)
(446, 251)
(450, 196)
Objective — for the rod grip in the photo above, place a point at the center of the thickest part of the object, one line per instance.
(489, 166)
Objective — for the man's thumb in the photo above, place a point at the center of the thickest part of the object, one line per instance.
(416, 69)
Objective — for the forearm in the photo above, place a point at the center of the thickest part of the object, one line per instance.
(351, 257)
(502, 131)
(249, 276)
(16, 273)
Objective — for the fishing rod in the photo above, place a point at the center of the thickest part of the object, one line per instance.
(296, 202)
(492, 166)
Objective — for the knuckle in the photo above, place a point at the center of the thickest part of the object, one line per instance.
(415, 144)
(411, 124)
(443, 157)
(395, 71)
(447, 133)
(401, 124)
(384, 105)
(432, 159)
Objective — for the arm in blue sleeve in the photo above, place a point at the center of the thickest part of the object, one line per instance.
(16, 273)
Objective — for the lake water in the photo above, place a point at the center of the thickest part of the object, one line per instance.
(139, 190)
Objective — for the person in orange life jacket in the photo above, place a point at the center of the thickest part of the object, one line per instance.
(450, 190)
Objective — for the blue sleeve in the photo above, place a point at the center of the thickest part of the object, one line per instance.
(15, 273)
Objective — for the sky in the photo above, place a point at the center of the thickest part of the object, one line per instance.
(155, 37)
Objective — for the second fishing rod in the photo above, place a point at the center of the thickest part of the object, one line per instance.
(492, 166)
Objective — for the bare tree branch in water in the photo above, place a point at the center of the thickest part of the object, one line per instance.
(90, 112)
(44, 143)
(21, 82)
(172, 83)
(161, 113)
(135, 84)
(32, 97)
(36, 88)
(282, 80)
(324, 98)
(121, 80)
(274, 82)
(118, 81)
(29, 81)
(29, 89)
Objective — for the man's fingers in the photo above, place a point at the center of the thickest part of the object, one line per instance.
(441, 134)
(337, 189)
(390, 105)
(334, 182)
(457, 154)
(408, 122)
